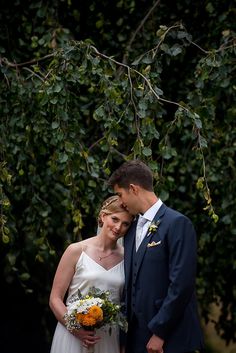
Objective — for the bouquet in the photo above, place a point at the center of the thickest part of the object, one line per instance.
(94, 310)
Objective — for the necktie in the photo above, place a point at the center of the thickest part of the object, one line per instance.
(139, 231)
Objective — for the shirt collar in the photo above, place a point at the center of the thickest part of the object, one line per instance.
(151, 212)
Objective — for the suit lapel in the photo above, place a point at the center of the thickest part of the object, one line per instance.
(129, 243)
(143, 246)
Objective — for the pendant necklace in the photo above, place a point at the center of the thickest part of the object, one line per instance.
(103, 257)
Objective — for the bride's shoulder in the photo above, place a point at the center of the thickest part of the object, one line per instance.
(75, 248)
(80, 246)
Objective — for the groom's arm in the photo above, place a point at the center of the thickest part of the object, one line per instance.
(182, 256)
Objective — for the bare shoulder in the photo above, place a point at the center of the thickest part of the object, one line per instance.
(75, 249)
(72, 253)
(79, 246)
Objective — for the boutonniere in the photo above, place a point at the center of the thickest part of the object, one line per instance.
(153, 227)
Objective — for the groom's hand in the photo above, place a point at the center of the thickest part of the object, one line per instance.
(155, 345)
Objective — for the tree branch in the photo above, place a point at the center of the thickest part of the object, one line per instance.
(30, 62)
(124, 60)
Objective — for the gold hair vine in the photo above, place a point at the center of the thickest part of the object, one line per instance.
(108, 203)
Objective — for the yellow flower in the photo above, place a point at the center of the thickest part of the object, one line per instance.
(96, 312)
(88, 320)
(79, 317)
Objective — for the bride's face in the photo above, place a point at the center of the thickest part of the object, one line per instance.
(116, 224)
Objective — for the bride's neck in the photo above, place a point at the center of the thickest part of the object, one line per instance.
(105, 244)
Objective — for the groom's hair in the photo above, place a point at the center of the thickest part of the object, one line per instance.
(132, 172)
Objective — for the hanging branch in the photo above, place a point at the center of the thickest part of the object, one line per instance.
(138, 29)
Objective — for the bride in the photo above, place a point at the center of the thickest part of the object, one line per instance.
(98, 262)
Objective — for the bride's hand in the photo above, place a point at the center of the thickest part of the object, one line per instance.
(88, 338)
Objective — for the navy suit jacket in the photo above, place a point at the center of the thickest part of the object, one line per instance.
(164, 282)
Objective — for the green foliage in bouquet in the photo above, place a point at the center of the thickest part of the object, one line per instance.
(112, 313)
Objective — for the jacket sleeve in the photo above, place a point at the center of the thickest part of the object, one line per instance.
(182, 255)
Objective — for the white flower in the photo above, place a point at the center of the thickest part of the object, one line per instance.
(153, 227)
(83, 305)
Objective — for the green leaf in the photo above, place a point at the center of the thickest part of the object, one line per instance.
(63, 157)
(24, 276)
(55, 125)
(54, 100)
(146, 151)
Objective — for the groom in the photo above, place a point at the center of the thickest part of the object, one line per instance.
(160, 268)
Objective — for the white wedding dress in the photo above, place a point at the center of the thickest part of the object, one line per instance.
(89, 273)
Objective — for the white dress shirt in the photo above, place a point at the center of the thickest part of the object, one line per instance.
(144, 222)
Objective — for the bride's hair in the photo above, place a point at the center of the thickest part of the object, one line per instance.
(111, 205)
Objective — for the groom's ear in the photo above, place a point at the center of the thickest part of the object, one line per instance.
(134, 189)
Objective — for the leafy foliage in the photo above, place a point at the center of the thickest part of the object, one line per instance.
(71, 113)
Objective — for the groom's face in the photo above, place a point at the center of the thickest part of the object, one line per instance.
(128, 198)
